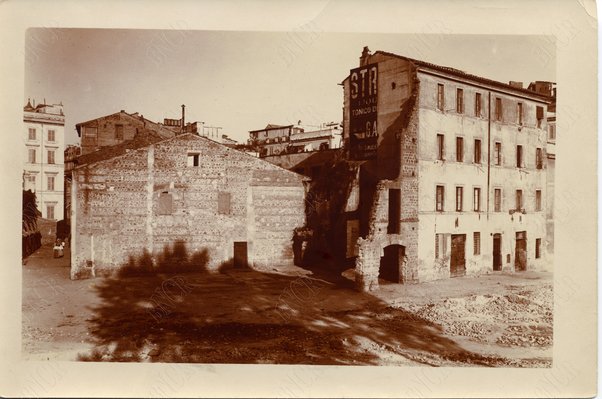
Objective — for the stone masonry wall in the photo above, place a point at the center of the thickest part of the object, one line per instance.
(150, 198)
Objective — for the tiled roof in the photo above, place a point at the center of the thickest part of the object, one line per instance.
(160, 129)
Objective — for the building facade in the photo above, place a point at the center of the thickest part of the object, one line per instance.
(450, 172)
(188, 189)
(116, 128)
(275, 140)
(43, 169)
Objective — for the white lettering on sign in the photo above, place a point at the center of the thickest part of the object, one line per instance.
(363, 83)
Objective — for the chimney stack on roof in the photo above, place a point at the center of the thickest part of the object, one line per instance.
(518, 85)
(365, 55)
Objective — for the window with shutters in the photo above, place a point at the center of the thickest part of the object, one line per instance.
(50, 211)
(519, 199)
(460, 101)
(477, 151)
(519, 156)
(459, 149)
(440, 147)
(440, 246)
(477, 105)
(497, 156)
(497, 205)
(50, 183)
(440, 97)
(459, 198)
(440, 193)
(538, 248)
(51, 136)
(223, 203)
(519, 111)
(539, 115)
(165, 205)
(477, 243)
(538, 200)
(31, 155)
(51, 156)
(498, 109)
(477, 199)
(538, 158)
(32, 133)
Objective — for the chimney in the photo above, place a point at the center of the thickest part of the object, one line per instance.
(183, 117)
(365, 56)
(518, 85)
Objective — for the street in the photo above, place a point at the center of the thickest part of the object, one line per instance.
(291, 317)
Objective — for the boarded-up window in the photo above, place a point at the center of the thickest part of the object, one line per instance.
(440, 246)
(223, 203)
(477, 243)
(165, 206)
(118, 132)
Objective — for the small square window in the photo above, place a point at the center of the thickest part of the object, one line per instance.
(193, 159)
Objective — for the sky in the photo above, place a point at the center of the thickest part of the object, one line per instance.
(242, 81)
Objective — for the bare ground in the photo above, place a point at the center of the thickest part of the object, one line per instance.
(245, 316)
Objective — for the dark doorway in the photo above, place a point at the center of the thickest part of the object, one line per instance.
(391, 263)
(497, 252)
(458, 258)
(240, 254)
(520, 257)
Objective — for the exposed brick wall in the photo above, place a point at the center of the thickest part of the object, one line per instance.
(117, 212)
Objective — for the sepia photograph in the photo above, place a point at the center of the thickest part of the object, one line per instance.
(293, 197)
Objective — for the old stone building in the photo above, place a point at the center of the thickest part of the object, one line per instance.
(115, 129)
(44, 138)
(446, 173)
(189, 189)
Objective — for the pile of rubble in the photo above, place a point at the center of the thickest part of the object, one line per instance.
(518, 318)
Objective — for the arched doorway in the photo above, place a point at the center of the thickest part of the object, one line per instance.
(391, 263)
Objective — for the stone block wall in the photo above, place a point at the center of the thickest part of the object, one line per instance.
(151, 198)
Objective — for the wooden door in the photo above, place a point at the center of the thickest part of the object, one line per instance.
(497, 252)
(520, 254)
(458, 258)
(240, 254)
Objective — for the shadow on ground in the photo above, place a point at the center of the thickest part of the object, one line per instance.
(248, 316)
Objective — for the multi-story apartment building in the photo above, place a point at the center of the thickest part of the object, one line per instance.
(450, 174)
(44, 138)
(292, 139)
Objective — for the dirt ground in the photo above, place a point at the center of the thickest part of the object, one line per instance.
(291, 317)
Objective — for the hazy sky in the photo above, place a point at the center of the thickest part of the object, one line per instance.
(242, 81)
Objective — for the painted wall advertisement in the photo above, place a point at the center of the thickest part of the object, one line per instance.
(363, 136)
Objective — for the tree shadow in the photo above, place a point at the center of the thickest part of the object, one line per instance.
(239, 315)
